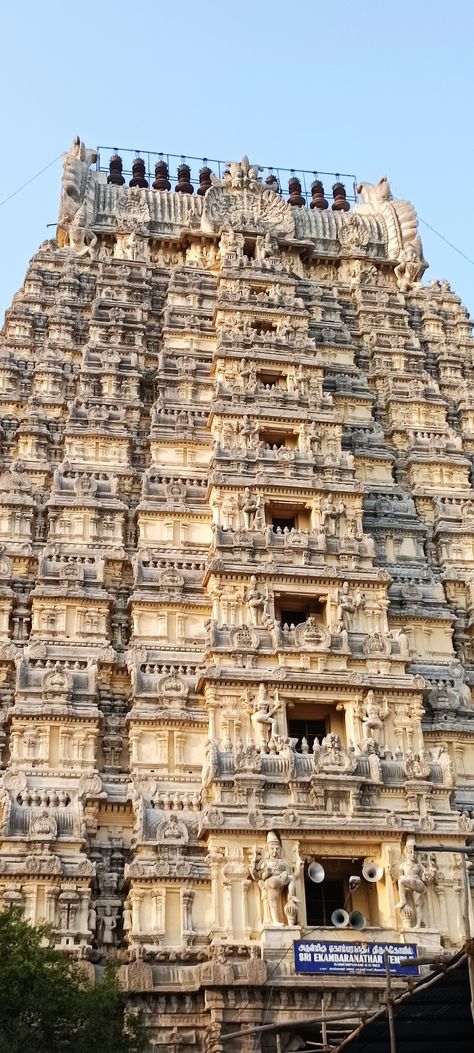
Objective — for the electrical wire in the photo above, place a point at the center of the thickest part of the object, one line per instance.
(400, 196)
(28, 181)
(446, 240)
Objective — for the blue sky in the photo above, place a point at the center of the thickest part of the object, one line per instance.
(370, 88)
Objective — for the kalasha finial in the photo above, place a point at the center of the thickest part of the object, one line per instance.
(295, 196)
(115, 171)
(317, 195)
(341, 203)
(184, 185)
(204, 180)
(161, 176)
(138, 174)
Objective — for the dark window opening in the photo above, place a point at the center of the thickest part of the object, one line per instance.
(290, 617)
(264, 327)
(270, 380)
(275, 439)
(306, 729)
(294, 517)
(322, 900)
(284, 524)
(293, 610)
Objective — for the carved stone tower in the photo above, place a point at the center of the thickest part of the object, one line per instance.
(237, 602)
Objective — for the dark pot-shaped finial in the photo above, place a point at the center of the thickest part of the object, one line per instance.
(184, 185)
(317, 195)
(341, 203)
(115, 171)
(204, 180)
(161, 181)
(138, 174)
(295, 196)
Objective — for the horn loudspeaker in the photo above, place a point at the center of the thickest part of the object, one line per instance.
(316, 873)
(372, 871)
(340, 918)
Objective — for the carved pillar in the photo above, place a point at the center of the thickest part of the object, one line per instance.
(215, 860)
(237, 730)
(227, 894)
(83, 910)
(441, 914)
(162, 747)
(187, 899)
(135, 897)
(134, 739)
(212, 720)
(73, 911)
(417, 712)
(89, 751)
(459, 758)
(64, 745)
(51, 897)
(15, 740)
(226, 739)
(180, 627)
(390, 859)
(158, 922)
(246, 885)
(179, 740)
(30, 893)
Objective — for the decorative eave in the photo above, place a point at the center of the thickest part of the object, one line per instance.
(379, 227)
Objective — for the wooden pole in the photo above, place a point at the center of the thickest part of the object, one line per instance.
(324, 1027)
(389, 1004)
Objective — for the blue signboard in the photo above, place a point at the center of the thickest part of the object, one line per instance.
(344, 958)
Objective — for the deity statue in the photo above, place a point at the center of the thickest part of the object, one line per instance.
(259, 522)
(249, 431)
(249, 507)
(255, 601)
(81, 239)
(92, 919)
(127, 920)
(375, 714)
(409, 268)
(266, 247)
(347, 605)
(277, 883)
(262, 718)
(108, 927)
(331, 512)
(231, 244)
(249, 375)
(413, 878)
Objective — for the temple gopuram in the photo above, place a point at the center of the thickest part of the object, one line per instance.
(236, 596)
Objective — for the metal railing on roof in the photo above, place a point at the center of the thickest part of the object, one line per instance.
(306, 176)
